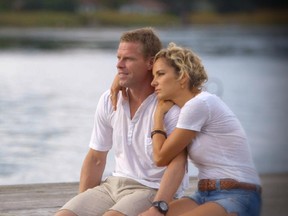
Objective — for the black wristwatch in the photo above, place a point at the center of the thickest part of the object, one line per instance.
(162, 206)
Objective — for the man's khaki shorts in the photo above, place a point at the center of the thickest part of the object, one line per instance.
(115, 193)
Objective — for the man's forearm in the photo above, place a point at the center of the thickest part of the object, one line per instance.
(89, 179)
(172, 178)
(91, 172)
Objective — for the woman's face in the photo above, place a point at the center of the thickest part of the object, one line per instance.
(165, 81)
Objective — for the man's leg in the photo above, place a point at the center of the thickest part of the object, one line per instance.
(135, 203)
(65, 212)
(130, 196)
(95, 201)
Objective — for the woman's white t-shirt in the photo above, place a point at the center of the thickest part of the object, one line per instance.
(220, 149)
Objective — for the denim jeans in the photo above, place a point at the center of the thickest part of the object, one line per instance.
(242, 202)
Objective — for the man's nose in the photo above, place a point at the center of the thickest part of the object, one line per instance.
(120, 64)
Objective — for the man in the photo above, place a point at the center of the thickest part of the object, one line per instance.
(135, 181)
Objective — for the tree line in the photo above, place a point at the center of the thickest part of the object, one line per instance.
(175, 7)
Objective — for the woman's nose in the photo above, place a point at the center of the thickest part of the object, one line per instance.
(153, 83)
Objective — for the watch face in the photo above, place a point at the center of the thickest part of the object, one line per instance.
(163, 206)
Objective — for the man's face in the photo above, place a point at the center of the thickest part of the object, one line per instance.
(133, 68)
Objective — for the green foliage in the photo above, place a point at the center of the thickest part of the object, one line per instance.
(5, 4)
(39, 19)
(64, 19)
(178, 7)
(52, 5)
(65, 13)
(114, 4)
(113, 18)
(63, 5)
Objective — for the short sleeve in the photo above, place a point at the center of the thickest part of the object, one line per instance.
(194, 115)
(101, 138)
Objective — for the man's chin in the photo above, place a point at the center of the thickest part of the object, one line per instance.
(122, 84)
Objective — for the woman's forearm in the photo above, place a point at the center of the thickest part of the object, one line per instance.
(158, 139)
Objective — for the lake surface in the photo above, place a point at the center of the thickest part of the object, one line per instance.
(51, 80)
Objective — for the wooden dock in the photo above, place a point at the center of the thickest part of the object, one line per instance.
(45, 199)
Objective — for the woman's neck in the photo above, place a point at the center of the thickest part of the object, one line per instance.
(185, 96)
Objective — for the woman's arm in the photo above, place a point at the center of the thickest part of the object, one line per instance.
(114, 90)
(170, 182)
(164, 150)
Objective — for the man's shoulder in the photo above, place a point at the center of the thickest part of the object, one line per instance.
(106, 94)
(174, 111)
(105, 102)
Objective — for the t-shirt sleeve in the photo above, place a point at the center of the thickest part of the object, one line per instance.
(101, 138)
(193, 115)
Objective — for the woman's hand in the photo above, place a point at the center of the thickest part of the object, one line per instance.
(161, 109)
(164, 106)
(114, 90)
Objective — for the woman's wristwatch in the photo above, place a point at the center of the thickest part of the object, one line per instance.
(161, 206)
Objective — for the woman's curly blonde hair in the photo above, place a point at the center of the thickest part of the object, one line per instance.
(185, 62)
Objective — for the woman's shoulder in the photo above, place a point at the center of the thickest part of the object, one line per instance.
(201, 97)
(204, 101)
(208, 97)
(205, 94)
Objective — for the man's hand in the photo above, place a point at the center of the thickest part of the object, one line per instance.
(151, 212)
(114, 90)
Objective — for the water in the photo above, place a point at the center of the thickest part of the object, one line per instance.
(51, 80)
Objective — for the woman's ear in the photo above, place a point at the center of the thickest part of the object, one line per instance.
(184, 79)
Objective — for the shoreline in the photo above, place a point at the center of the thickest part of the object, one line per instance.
(45, 198)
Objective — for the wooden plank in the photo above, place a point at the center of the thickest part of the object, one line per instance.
(35, 199)
(45, 199)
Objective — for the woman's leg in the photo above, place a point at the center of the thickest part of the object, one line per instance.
(188, 207)
(209, 208)
(181, 206)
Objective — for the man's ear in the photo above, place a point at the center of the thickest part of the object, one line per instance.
(150, 63)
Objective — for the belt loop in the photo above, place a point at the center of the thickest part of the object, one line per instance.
(217, 184)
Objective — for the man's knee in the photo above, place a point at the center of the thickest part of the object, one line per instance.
(65, 212)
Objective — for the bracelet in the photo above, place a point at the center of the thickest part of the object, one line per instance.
(159, 132)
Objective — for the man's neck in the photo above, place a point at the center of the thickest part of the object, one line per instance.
(136, 98)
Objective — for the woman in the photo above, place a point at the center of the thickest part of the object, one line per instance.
(215, 140)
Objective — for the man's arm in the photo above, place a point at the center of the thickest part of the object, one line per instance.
(170, 182)
(92, 169)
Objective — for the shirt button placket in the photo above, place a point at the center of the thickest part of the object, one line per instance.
(130, 134)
